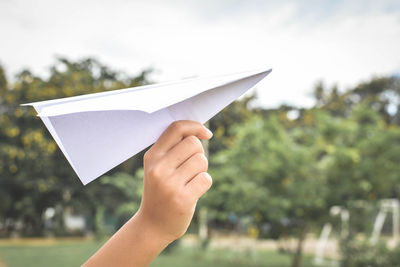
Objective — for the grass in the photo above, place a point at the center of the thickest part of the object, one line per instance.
(225, 258)
(60, 253)
(75, 252)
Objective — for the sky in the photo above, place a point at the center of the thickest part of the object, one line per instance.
(338, 42)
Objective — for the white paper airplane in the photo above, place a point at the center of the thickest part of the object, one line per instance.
(97, 132)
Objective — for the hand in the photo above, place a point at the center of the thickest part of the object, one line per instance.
(175, 177)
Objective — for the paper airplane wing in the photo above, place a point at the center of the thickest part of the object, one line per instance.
(96, 132)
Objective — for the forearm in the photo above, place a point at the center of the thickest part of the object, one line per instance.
(135, 244)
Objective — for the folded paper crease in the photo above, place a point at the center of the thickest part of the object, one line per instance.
(96, 132)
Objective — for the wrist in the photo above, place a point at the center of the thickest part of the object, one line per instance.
(150, 231)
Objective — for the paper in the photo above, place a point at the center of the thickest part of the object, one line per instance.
(97, 132)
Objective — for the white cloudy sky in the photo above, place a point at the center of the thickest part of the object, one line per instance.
(341, 42)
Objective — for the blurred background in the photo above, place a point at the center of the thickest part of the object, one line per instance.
(306, 166)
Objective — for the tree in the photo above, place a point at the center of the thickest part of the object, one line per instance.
(268, 175)
(380, 93)
(289, 174)
(33, 172)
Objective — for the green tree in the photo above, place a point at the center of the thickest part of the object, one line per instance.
(33, 172)
(268, 175)
(380, 93)
(289, 173)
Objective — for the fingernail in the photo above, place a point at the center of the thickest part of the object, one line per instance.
(209, 132)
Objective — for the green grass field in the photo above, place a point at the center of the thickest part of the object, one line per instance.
(74, 253)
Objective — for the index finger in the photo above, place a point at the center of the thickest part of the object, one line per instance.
(177, 131)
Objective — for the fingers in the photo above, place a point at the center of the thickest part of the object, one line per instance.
(199, 185)
(182, 152)
(196, 164)
(177, 131)
(179, 156)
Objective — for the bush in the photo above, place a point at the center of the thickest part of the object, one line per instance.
(356, 253)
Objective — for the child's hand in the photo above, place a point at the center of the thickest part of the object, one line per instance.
(174, 179)
(175, 176)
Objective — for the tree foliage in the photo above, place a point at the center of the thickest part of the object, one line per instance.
(288, 173)
(34, 174)
(283, 168)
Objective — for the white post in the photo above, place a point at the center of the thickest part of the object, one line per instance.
(380, 219)
(326, 230)
(386, 206)
(395, 206)
(345, 217)
(319, 253)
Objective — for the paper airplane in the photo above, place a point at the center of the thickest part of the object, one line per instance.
(97, 132)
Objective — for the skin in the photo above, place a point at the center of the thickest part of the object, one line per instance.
(175, 177)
